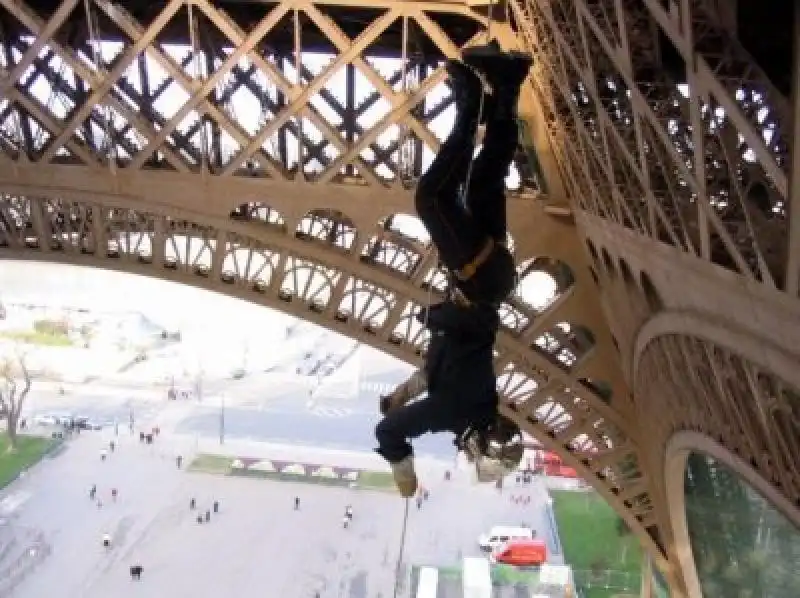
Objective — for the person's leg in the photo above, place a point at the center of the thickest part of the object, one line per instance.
(453, 231)
(402, 424)
(505, 73)
(486, 197)
(395, 430)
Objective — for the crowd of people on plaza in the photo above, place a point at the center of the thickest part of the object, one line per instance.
(97, 495)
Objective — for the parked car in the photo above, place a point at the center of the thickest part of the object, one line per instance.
(521, 553)
(85, 423)
(46, 420)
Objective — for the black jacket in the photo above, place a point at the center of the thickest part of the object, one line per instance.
(461, 377)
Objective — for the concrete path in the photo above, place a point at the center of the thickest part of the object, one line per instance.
(257, 545)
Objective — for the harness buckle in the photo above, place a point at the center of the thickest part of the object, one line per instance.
(468, 270)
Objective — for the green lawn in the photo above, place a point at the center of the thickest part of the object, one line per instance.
(29, 450)
(376, 480)
(593, 546)
(223, 465)
(211, 464)
(38, 338)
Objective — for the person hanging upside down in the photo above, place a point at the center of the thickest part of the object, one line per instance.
(470, 237)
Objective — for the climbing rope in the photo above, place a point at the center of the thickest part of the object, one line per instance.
(402, 548)
(404, 529)
(465, 190)
(489, 21)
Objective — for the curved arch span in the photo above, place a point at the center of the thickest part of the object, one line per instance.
(675, 461)
(760, 351)
(250, 261)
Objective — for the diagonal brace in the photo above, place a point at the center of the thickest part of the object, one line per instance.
(375, 29)
(263, 27)
(108, 82)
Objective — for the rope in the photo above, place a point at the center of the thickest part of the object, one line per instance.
(402, 548)
(427, 315)
(465, 190)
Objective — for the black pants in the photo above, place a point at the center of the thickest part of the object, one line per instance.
(459, 231)
(421, 417)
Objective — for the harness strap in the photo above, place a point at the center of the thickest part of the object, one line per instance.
(469, 269)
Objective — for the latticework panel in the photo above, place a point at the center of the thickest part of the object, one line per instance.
(262, 150)
(255, 257)
(746, 408)
(663, 123)
(293, 91)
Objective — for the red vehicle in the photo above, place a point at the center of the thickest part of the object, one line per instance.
(550, 464)
(522, 553)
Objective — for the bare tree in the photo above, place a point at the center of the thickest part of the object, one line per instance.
(15, 383)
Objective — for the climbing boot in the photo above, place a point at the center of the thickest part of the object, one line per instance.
(501, 69)
(504, 72)
(405, 478)
(481, 58)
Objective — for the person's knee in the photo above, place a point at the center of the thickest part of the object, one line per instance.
(392, 442)
(386, 432)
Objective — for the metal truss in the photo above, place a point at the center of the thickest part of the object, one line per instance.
(369, 291)
(693, 154)
(750, 409)
(113, 101)
(292, 204)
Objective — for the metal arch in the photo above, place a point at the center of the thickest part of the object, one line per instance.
(203, 243)
(738, 395)
(392, 252)
(367, 303)
(747, 386)
(568, 416)
(309, 290)
(329, 226)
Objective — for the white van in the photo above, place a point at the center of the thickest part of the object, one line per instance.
(499, 535)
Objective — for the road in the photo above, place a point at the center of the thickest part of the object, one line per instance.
(278, 409)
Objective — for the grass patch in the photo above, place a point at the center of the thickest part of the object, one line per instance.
(607, 559)
(376, 480)
(38, 338)
(277, 476)
(223, 465)
(508, 575)
(30, 449)
(211, 464)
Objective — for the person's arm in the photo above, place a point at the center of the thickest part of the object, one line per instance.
(405, 392)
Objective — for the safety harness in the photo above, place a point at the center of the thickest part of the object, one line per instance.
(468, 270)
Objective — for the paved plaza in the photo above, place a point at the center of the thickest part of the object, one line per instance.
(256, 545)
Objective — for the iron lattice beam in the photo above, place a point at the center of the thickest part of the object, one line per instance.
(683, 141)
(147, 196)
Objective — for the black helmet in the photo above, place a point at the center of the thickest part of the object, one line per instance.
(496, 450)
